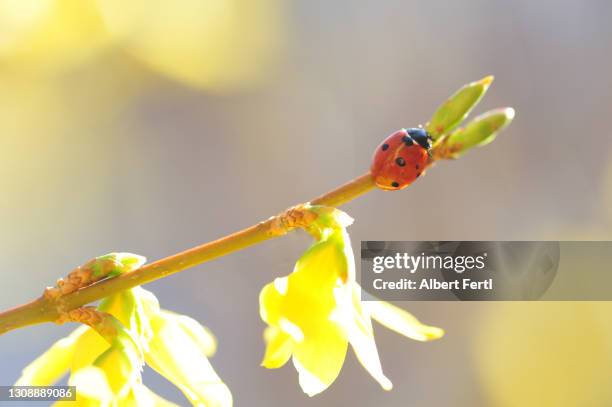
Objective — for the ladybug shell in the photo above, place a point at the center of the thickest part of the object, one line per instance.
(398, 161)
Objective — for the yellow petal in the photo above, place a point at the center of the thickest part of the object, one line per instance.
(358, 326)
(402, 321)
(367, 354)
(201, 335)
(120, 305)
(149, 301)
(94, 391)
(319, 357)
(92, 388)
(291, 329)
(53, 364)
(133, 308)
(325, 262)
(309, 382)
(174, 354)
(141, 395)
(279, 348)
(122, 367)
(270, 301)
(89, 346)
(121, 360)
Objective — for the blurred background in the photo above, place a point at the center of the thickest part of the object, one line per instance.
(151, 127)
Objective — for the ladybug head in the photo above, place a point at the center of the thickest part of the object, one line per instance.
(420, 136)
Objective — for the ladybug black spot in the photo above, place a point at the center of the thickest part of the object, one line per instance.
(416, 167)
(418, 175)
(408, 140)
(385, 147)
(394, 184)
(400, 161)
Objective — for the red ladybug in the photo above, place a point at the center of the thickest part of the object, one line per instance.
(401, 158)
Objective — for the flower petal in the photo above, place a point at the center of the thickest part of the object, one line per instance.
(402, 321)
(324, 263)
(92, 388)
(141, 395)
(279, 348)
(133, 308)
(149, 301)
(367, 354)
(175, 355)
(53, 364)
(201, 335)
(319, 357)
(358, 325)
(309, 382)
(121, 366)
(270, 301)
(122, 360)
(89, 346)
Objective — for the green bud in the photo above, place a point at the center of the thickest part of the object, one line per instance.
(457, 107)
(113, 264)
(480, 131)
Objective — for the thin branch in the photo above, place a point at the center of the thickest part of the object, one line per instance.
(47, 310)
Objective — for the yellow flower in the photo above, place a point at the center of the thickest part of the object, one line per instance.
(106, 362)
(50, 35)
(316, 311)
(219, 45)
(544, 353)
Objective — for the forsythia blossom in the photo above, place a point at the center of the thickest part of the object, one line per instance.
(105, 360)
(316, 311)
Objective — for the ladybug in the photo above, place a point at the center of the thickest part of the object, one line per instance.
(401, 158)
